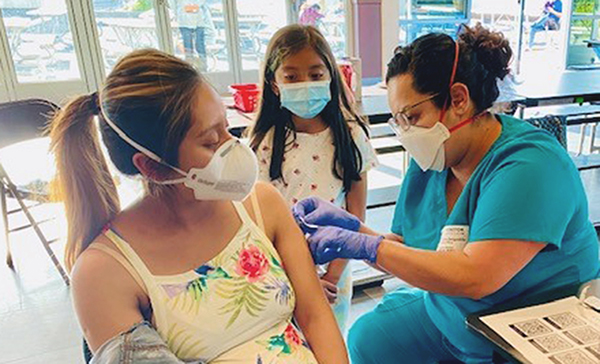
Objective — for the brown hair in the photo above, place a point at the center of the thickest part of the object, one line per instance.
(149, 95)
(288, 41)
(484, 57)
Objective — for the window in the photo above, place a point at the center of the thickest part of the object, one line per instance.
(536, 37)
(124, 26)
(330, 17)
(419, 17)
(40, 40)
(257, 21)
(200, 34)
(585, 22)
(53, 41)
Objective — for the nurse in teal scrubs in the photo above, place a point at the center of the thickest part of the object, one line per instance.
(490, 209)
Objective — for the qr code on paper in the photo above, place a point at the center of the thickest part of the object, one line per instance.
(531, 328)
(583, 335)
(550, 343)
(565, 320)
(594, 350)
(572, 357)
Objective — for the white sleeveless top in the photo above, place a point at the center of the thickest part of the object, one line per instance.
(236, 308)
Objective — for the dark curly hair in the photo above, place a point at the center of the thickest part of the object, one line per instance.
(484, 58)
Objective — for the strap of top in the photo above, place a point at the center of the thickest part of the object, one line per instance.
(257, 212)
(243, 213)
(131, 256)
(121, 259)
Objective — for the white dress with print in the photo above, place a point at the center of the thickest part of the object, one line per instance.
(308, 171)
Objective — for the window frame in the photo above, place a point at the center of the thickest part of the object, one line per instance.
(86, 42)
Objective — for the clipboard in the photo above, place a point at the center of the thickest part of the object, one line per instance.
(501, 346)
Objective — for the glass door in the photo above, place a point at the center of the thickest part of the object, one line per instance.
(330, 17)
(257, 21)
(200, 35)
(419, 17)
(124, 26)
(42, 55)
(584, 34)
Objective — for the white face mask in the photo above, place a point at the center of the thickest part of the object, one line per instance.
(426, 145)
(230, 174)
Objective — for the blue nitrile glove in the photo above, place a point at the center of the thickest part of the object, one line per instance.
(330, 242)
(313, 212)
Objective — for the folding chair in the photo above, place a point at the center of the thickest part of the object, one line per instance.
(22, 121)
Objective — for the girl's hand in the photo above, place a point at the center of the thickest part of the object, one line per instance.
(394, 237)
(330, 290)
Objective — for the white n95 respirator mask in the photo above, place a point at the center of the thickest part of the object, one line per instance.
(230, 174)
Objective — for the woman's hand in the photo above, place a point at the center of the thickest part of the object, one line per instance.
(313, 212)
(331, 242)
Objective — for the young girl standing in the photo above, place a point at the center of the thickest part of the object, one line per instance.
(309, 139)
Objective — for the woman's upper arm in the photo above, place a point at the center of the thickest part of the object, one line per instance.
(503, 258)
(105, 297)
(291, 246)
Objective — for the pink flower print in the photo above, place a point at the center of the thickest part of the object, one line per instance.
(313, 187)
(291, 336)
(316, 158)
(297, 171)
(265, 148)
(295, 145)
(252, 264)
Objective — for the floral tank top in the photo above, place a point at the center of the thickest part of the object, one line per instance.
(236, 308)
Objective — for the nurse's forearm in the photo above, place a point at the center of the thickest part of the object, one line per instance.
(449, 273)
(389, 236)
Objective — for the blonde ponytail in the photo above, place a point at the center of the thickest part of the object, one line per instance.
(84, 182)
(149, 95)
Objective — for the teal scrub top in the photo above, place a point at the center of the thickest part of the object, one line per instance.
(525, 188)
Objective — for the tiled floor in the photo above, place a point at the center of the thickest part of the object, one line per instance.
(37, 324)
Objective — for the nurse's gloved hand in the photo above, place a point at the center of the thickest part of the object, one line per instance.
(330, 242)
(313, 212)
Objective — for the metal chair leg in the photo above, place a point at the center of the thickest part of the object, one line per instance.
(593, 148)
(12, 189)
(581, 139)
(4, 210)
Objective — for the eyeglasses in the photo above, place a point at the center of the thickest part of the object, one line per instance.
(400, 122)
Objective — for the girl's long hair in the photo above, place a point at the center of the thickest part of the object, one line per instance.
(287, 41)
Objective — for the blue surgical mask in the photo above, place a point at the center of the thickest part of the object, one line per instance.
(305, 99)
